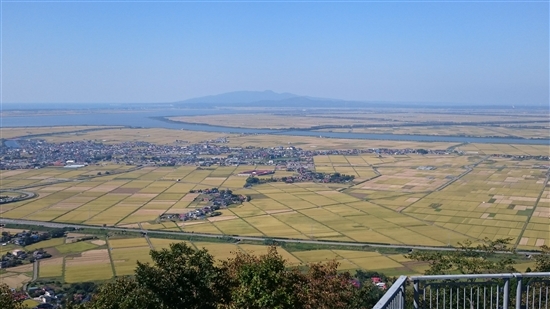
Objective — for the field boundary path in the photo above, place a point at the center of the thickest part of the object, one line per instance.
(378, 174)
(520, 236)
(469, 168)
(252, 238)
(144, 232)
(35, 269)
(109, 248)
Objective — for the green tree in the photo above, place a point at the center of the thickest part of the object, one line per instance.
(469, 259)
(542, 260)
(325, 288)
(259, 282)
(182, 277)
(7, 300)
(266, 281)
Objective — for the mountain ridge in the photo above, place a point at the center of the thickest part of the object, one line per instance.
(241, 97)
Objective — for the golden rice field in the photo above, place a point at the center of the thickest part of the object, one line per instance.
(25, 131)
(391, 201)
(99, 260)
(307, 120)
(120, 255)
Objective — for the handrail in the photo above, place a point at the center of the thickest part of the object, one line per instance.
(434, 291)
(395, 289)
(479, 276)
(451, 277)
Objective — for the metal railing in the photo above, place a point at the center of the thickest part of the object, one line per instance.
(395, 296)
(483, 291)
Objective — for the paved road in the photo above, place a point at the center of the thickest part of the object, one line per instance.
(35, 270)
(279, 240)
(466, 172)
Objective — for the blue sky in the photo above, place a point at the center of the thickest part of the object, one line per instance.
(461, 52)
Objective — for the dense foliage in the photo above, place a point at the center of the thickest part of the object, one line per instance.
(182, 277)
(542, 261)
(7, 299)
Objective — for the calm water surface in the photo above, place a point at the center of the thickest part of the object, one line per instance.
(145, 119)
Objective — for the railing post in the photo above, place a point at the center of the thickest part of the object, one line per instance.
(519, 290)
(506, 299)
(416, 293)
(402, 297)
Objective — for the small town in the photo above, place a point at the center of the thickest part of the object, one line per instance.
(37, 153)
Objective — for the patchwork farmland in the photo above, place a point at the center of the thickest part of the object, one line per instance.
(104, 258)
(402, 199)
(116, 254)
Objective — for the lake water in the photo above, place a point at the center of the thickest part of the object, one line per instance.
(146, 119)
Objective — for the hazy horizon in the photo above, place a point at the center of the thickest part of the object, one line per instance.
(486, 53)
(192, 102)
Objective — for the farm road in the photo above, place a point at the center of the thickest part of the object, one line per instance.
(534, 207)
(35, 270)
(280, 240)
(146, 236)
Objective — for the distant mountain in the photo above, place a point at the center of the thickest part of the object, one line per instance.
(304, 102)
(241, 97)
(270, 99)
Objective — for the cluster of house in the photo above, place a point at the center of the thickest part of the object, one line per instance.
(303, 175)
(23, 238)
(36, 153)
(426, 168)
(4, 199)
(256, 173)
(46, 296)
(215, 198)
(18, 256)
(54, 294)
(195, 214)
(23, 195)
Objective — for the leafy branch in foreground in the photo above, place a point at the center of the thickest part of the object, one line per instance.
(7, 299)
(542, 260)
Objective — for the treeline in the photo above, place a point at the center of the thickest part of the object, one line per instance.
(302, 176)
